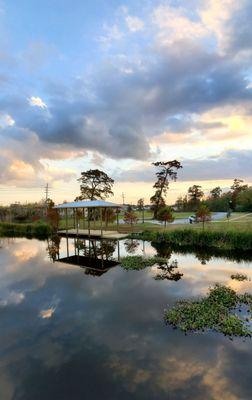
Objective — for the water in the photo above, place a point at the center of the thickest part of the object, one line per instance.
(65, 334)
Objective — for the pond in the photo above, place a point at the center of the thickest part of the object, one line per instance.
(66, 333)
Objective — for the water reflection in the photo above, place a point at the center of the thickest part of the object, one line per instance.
(169, 271)
(131, 245)
(95, 256)
(65, 336)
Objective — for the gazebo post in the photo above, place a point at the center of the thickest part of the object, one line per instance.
(66, 221)
(117, 219)
(67, 246)
(118, 248)
(77, 223)
(101, 220)
(88, 222)
(83, 218)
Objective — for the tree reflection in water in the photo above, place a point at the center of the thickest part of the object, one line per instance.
(131, 245)
(203, 256)
(94, 249)
(53, 246)
(169, 272)
(162, 249)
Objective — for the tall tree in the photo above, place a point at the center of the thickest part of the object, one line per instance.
(195, 194)
(215, 193)
(95, 184)
(167, 171)
(237, 188)
(140, 207)
(140, 204)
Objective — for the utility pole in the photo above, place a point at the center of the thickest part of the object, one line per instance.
(46, 196)
(123, 198)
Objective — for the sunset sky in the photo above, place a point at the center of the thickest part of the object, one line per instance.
(117, 85)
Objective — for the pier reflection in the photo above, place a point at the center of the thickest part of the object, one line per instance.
(95, 256)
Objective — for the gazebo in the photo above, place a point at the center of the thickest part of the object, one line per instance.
(101, 208)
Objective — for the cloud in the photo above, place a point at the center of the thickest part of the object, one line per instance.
(37, 102)
(134, 24)
(6, 120)
(174, 24)
(111, 33)
(154, 88)
(227, 165)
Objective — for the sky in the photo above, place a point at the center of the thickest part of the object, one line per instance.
(118, 85)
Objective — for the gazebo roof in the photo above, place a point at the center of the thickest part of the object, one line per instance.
(88, 204)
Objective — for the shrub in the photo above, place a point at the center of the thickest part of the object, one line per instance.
(38, 230)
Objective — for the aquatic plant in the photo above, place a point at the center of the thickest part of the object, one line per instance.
(140, 262)
(215, 311)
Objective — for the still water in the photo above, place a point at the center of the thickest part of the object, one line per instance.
(68, 334)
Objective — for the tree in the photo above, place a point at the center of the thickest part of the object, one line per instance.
(165, 214)
(195, 194)
(203, 214)
(167, 171)
(244, 200)
(236, 189)
(130, 217)
(108, 215)
(53, 215)
(140, 206)
(215, 193)
(154, 200)
(95, 184)
(179, 204)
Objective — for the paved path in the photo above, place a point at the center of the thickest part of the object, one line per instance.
(179, 221)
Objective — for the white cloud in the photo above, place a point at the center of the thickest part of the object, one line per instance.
(12, 298)
(6, 120)
(134, 23)
(37, 102)
(112, 33)
(174, 25)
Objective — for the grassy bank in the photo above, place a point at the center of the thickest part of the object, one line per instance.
(224, 240)
(29, 230)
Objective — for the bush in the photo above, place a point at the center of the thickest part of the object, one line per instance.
(36, 230)
(229, 240)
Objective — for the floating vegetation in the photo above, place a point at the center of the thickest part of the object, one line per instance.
(165, 270)
(216, 311)
(239, 277)
(140, 262)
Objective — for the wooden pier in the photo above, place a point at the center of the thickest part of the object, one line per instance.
(92, 233)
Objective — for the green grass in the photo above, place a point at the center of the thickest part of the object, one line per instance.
(215, 311)
(243, 224)
(37, 230)
(224, 240)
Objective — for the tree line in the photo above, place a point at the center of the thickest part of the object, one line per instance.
(237, 198)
